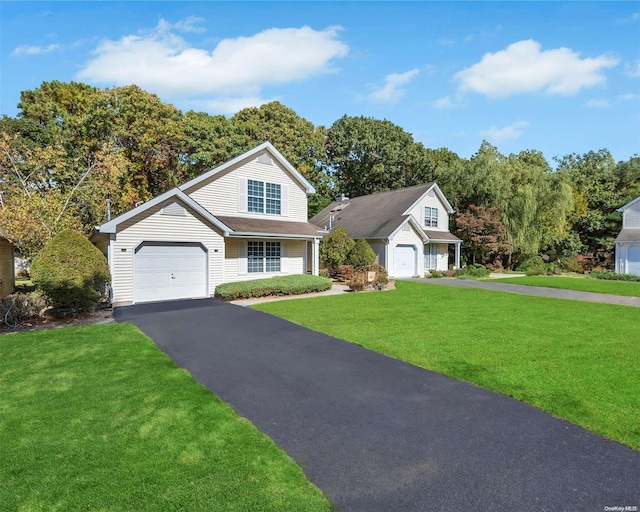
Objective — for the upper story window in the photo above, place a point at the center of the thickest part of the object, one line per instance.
(264, 197)
(430, 217)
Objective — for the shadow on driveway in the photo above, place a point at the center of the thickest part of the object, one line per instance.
(377, 434)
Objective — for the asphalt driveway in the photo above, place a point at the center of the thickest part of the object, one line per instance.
(377, 434)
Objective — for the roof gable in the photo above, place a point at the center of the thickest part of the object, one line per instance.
(376, 215)
(253, 153)
(629, 205)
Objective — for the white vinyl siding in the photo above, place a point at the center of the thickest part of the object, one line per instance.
(225, 193)
(292, 259)
(631, 217)
(152, 226)
(418, 212)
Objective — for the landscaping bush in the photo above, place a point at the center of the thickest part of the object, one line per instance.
(381, 273)
(449, 273)
(279, 285)
(435, 274)
(361, 255)
(346, 272)
(612, 276)
(18, 308)
(360, 280)
(335, 248)
(71, 271)
(472, 271)
(570, 265)
(323, 272)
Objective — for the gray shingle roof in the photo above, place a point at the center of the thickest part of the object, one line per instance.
(629, 235)
(441, 236)
(372, 216)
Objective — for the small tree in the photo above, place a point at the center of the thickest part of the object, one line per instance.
(335, 248)
(361, 255)
(71, 271)
(482, 232)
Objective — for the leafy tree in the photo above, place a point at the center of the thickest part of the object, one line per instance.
(483, 233)
(361, 255)
(71, 271)
(368, 155)
(335, 248)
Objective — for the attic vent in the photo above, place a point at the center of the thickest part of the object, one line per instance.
(431, 193)
(264, 158)
(406, 227)
(174, 209)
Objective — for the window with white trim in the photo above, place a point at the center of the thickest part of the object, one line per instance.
(264, 197)
(263, 256)
(430, 257)
(430, 217)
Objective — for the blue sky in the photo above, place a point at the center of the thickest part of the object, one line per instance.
(559, 77)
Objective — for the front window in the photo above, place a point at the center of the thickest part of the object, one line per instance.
(263, 256)
(430, 217)
(430, 257)
(263, 197)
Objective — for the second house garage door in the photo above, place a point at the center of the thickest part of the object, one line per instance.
(633, 260)
(169, 271)
(404, 261)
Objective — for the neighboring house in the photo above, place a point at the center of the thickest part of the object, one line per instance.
(408, 228)
(245, 219)
(7, 281)
(628, 241)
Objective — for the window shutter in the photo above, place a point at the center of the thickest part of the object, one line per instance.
(284, 260)
(242, 195)
(284, 200)
(242, 257)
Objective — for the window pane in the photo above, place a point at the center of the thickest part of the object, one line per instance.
(273, 199)
(255, 196)
(272, 251)
(255, 256)
(273, 206)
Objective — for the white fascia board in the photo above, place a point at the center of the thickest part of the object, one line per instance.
(628, 205)
(415, 224)
(440, 195)
(111, 226)
(265, 146)
(239, 234)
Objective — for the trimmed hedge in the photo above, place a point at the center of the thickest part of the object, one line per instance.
(279, 285)
(612, 276)
(472, 271)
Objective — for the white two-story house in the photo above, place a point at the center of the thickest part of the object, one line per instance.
(408, 228)
(246, 219)
(628, 241)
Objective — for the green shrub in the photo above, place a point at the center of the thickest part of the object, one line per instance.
(358, 281)
(71, 271)
(570, 265)
(612, 276)
(361, 255)
(323, 272)
(279, 285)
(334, 248)
(472, 271)
(381, 273)
(18, 308)
(435, 274)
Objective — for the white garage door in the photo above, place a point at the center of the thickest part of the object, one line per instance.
(404, 261)
(169, 271)
(633, 260)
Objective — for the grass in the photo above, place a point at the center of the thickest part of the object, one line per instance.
(583, 284)
(97, 418)
(576, 360)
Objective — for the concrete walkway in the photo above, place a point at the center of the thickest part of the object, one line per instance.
(535, 290)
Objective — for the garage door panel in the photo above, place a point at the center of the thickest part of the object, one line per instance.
(404, 261)
(633, 260)
(170, 271)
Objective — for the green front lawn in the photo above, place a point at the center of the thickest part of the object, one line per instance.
(97, 418)
(576, 360)
(579, 283)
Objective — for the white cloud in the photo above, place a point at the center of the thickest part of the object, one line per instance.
(629, 96)
(164, 63)
(633, 69)
(391, 91)
(444, 102)
(189, 25)
(598, 103)
(511, 132)
(523, 67)
(34, 50)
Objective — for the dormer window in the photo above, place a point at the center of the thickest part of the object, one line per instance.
(430, 217)
(263, 197)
